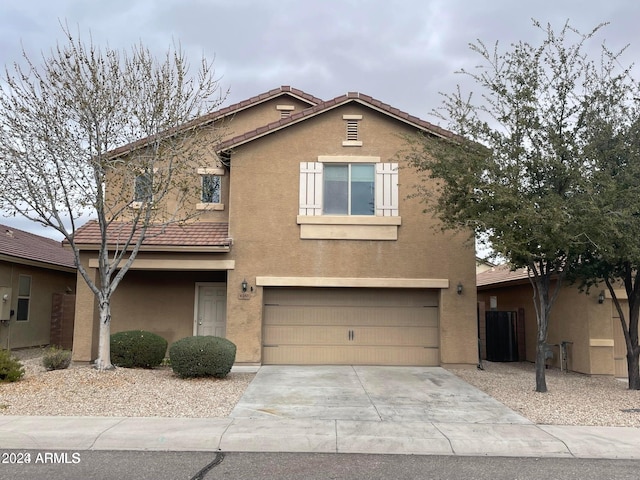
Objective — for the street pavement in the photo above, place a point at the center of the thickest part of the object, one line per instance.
(337, 409)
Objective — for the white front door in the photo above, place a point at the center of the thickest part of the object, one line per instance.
(211, 318)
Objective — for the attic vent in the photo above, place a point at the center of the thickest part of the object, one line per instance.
(285, 110)
(353, 133)
(352, 130)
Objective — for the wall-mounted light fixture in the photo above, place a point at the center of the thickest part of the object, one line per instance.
(244, 285)
(459, 288)
(601, 297)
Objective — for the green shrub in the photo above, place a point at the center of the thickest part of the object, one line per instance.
(11, 369)
(137, 348)
(202, 357)
(56, 358)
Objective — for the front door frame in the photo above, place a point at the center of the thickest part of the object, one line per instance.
(196, 303)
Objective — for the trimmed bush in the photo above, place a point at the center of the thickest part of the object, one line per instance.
(11, 369)
(137, 349)
(202, 357)
(56, 358)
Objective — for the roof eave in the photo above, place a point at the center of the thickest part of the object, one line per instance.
(37, 263)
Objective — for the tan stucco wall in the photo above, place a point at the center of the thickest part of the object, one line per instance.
(262, 209)
(258, 115)
(575, 317)
(268, 237)
(44, 283)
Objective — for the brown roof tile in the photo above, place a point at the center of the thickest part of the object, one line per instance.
(201, 234)
(24, 245)
(501, 274)
(326, 105)
(231, 109)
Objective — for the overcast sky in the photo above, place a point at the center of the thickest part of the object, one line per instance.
(401, 52)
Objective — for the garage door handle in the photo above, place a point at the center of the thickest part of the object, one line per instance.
(352, 335)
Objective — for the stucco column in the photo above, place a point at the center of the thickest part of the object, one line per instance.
(85, 328)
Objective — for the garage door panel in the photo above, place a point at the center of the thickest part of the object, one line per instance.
(378, 336)
(350, 297)
(359, 326)
(347, 355)
(349, 315)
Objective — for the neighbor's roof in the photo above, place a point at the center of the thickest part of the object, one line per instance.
(19, 246)
(328, 105)
(501, 274)
(200, 234)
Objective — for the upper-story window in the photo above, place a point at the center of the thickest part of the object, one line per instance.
(349, 189)
(210, 188)
(143, 188)
(347, 185)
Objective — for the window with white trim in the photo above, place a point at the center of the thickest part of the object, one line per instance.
(210, 188)
(350, 188)
(24, 298)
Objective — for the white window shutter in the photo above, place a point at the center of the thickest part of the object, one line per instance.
(310, 188)
(386, 189)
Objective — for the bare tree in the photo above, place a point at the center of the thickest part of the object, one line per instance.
(86, 117)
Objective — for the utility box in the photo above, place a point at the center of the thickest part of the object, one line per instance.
(5, 303)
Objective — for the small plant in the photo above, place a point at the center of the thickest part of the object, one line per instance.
(202, 357)
(11, 369)
(137, 349)
(56, 358)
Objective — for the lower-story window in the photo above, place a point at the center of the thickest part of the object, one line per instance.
(24, 297)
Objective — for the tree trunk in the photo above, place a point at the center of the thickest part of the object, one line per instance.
(103, 361)
(633, 367)
(541, 381)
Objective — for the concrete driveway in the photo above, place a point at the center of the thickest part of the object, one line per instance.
(369, 393)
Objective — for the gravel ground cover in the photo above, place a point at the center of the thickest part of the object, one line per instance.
(573, 399)
(123, 392)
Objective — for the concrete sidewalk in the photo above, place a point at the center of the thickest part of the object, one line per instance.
(320, 436)
(336, 409)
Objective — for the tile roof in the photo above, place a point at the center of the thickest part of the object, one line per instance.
(501, 274)
(200, 234)
(231, 109)
(24, 245)
(327, 105)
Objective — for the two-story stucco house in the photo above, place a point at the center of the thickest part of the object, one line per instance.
(309, 248)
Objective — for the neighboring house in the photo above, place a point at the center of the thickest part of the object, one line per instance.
(589, 322)
(35, 275)
(482, 265)
(309, 249)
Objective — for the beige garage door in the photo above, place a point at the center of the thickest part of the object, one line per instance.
(350, 326)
